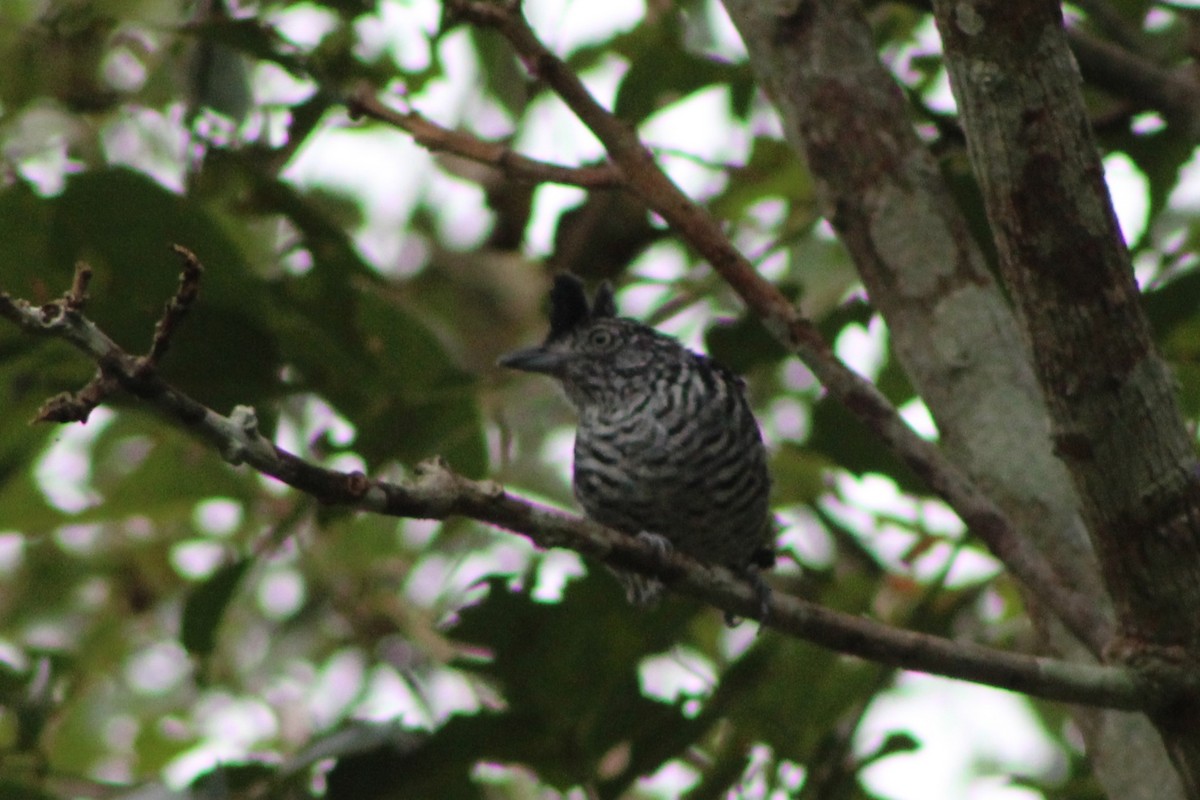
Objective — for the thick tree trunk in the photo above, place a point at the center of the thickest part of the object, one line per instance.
(950, 323)
(1116, 421)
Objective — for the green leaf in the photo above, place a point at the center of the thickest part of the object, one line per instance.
(504, 78)
(774, 170)
(573, 703)
(250, 37)
(155, 748)
(798, 475)
(25, 244)
(142, 467)
(1173, 305)
(219, 78)
(770, 707)
(855, 312)
(1159, 156)
(205, 607)
(659, 77)
(349, 8)
(566, 706)
(893, 381)
(29, 377)
(247, 778)
(17, 789)
(402, 765)
(840, 437)
(744, 345)
(896, 742)
(417, 403)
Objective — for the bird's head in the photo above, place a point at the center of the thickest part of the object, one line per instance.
(598, 357)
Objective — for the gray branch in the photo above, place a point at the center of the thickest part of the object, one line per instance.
(436, 492)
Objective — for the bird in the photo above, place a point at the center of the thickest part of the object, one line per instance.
(666, 448)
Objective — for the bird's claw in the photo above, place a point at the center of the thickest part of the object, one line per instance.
(762, 593)
(646, 591)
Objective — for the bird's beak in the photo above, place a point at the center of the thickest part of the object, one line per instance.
(534, 359)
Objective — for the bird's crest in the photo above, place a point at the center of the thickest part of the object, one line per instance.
(569, 306)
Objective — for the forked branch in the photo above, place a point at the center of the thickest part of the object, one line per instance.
(437, 493)
(640, 174)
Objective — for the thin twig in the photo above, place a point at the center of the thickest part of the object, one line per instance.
(78, 406)
(435, 138)
(177, 307)
(1116, 25)
(1140, 82)
(76, 298)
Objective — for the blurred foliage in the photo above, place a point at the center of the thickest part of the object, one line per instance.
(173, 627)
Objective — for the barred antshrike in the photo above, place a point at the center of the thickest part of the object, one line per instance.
(667, 448)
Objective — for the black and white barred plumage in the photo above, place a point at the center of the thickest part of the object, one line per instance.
(666, 444)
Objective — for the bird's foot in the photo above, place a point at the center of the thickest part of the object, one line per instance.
(658, 543)
(762, 593)
(646, 591)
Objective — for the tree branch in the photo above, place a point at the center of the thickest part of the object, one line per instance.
(437, 493)
(643, 176)
(1140, 82)
(435, 138)
(1114, 24)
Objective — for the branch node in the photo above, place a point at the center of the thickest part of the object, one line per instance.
(491, 490)
(357, 485)
(434, 475)
(360, 100)
(244, 421)
(374, 499)
(50, 314)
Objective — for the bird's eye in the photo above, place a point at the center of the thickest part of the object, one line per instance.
(600, 339)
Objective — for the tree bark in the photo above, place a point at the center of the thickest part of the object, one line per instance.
(1115, 419)
(950, 324)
